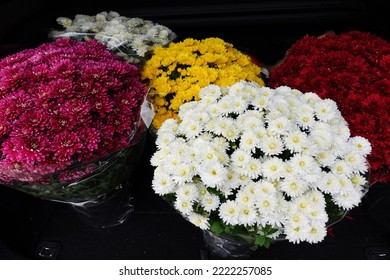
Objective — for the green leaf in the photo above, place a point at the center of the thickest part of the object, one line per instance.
(216, 227)
(260, 240)
(267, 242)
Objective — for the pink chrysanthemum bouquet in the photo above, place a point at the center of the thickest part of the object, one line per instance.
(69, 111)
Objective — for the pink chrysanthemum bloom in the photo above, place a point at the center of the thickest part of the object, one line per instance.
(62, 104)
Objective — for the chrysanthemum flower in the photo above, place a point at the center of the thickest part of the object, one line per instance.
(274, 171)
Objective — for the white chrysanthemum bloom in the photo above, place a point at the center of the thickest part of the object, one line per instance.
(183, 205)
(249, 123)
(296, 218)
(182, 173)
(302, 203)
(243, 196)
(159, 156)
(164, 138)
(253, 168)
(261, 132)
(222, 156)
(307, 167)
(239, 105)
(229, 212)
(213, 174)
(239, 159)
(199, 220)
(247, 215)
(356, 161)
(193, 153)
(358, 180)
(214, 111)
(345, 182)
(244, 179)
(260, 102)
(266, 203)
(316, 198)
(187, 192)
(277, 107)
(210, 202)
(190, 128)
(202, 117)
(296, 234)
(179, 148)
(65, 22)
(272, 145)
(168, 126)
(211, 92)
(329, 183)
(326, 110)
(303, 164)
(318, 214)
(139, 46)
(232, 179)
(316, 233)
(348, 198)
(274, 219)
(265, 91)
(225, 104)
(171, 162)
(283, 90)
(295, 141)
(289, 169)
(305, 119)
(231, 132)
(207, 153)
(279, 126)
(341, 167)
(323, 139)
(325, 158)
(188, 110)
(310, 98)
(223, 124)
(249, 141)
(264, 188)
(163, 184)
(237, 88)
(293, 100)
(293, 186)
(272, 168)
(362, 145)
(340, 127)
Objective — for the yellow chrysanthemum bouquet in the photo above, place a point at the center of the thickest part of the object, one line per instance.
(176, 73)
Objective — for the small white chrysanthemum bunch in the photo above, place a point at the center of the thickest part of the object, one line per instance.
(131, 38)
(246, 159)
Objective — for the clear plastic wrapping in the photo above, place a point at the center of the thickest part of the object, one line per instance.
(228, 246)
(102, 198)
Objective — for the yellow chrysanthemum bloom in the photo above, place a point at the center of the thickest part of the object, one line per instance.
(176, 73)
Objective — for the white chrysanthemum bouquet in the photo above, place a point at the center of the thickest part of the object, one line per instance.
(262, 163)
(130, 38)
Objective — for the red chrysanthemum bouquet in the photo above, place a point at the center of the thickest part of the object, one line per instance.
(352, 69)
(70, 126)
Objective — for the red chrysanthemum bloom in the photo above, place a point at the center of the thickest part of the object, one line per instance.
(352, 69)
(61, 106)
